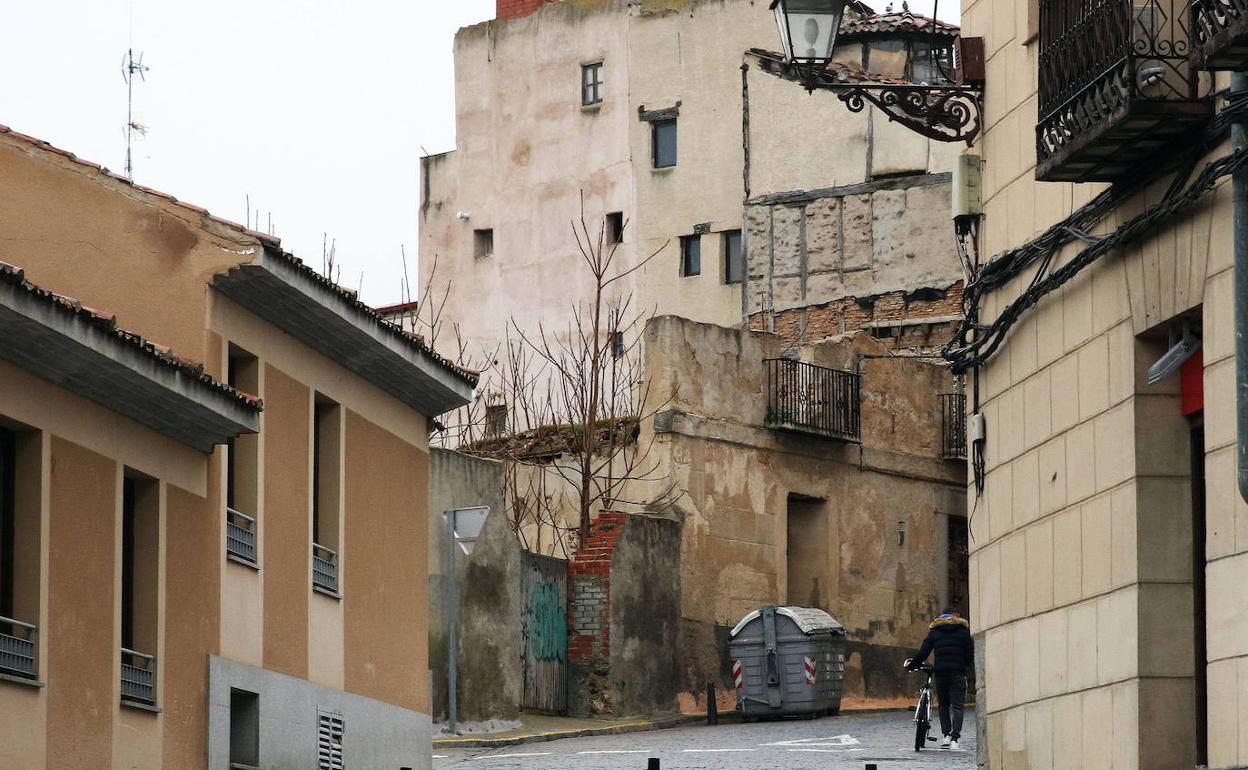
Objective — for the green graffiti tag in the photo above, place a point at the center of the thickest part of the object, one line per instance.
(548, 635)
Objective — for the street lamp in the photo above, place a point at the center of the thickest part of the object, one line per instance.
(947, 113)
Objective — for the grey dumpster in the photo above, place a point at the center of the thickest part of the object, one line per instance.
(788, 661)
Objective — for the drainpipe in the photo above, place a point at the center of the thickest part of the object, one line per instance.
(1239, 139)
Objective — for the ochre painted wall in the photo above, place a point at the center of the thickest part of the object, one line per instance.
(386, 608)
(287, 549)
(83, 674)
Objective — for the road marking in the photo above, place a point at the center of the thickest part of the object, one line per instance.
(440, 756)
(826, 751)
(517, 754)
(712, 751)
(617, 751)
(836, 741)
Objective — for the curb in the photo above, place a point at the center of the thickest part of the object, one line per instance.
(555, 735)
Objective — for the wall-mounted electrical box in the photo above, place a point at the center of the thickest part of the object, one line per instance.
(968, 193)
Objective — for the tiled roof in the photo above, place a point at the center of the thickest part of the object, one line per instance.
(347, 295)
(842, 72)
(15, 276)
(896, 23)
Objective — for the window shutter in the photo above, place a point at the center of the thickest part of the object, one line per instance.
(329, 740)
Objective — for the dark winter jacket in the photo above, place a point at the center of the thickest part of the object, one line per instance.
(950, 639)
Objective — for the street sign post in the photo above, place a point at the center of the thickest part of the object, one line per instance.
(465, 525)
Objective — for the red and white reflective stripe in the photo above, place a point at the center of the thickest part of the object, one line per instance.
(810, 670)
(738, 674)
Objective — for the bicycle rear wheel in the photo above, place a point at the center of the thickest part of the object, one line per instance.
(921, 724)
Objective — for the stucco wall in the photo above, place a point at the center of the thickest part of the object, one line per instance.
(489, 675)
(1080, 564)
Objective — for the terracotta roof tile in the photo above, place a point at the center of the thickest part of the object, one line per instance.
(896, 23)
(15, 276)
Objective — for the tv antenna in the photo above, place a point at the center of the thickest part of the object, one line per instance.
(129, 68)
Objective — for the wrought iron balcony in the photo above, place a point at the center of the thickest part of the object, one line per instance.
(814, 399)
(19, 649)
(1116, 86)
(240, 535)
(138, 677)
(1220, 32)
(324, 568)
(953, 426)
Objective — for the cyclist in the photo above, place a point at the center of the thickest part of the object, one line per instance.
(949, 637)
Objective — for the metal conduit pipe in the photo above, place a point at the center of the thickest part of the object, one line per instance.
(1239, 187)
(1239, 139)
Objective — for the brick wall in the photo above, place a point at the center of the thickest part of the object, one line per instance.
(514, 9)
(589, 575)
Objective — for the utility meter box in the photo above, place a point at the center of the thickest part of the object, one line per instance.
(968, 192)
(788, 661)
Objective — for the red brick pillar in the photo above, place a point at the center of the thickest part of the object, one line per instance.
(589, 619)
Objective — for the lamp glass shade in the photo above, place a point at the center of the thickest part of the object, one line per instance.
(808, 29)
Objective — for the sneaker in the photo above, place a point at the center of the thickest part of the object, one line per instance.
(953, 745)
(944, 742)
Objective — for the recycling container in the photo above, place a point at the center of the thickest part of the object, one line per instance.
(788, 661)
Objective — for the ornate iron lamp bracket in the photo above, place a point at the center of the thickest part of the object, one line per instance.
(944, 113)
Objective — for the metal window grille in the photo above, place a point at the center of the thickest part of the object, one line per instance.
(953, 425)
(814, 399)
(19, 648)
(240, 535)
(138, 676)
(329, 732)
(591, 83)
(324, 568)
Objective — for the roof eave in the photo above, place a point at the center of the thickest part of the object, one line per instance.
(274, 288)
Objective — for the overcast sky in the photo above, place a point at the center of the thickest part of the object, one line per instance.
(317, 109)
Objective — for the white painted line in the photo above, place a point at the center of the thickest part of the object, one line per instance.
(617, 751)
(518, 754)
(836, 741)
(440, 756)
(713, 751)
(827, 751)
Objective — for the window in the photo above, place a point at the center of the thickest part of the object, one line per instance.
(734, 267)
(496, 420)
(20, 457)
(483, 243)
(140, 576)
(591, 83)
(617, 345)
(690, 255)
(663, 134)
(615, 227)
(326, 493)
(242, 488)
(244, 729)
(329, 732)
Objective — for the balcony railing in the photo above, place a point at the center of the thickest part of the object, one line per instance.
(240, 535)
(1220, 32)
(19, 649)
(953, 426)
(138, 677)
(324, 568)
(1116, 86)
(814, 399)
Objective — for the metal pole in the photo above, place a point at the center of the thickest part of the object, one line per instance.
(452, 652)
(712, 706)
(1239, 139)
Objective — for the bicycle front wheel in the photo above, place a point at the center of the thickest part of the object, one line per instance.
(921, 724)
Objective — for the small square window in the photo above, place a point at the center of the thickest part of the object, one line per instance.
(664, 140)
(615, 227)
(617, 345)
(690, 256)
(496, 421)
(482, 243)
(734, 267)
(591, 83)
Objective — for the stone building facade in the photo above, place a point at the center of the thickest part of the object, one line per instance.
(204, 582)
(1109, 549)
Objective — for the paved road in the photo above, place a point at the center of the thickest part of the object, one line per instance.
(834, 743)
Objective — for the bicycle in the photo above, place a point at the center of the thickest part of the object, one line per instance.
(923, 711)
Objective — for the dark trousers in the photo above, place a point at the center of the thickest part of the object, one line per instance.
(951, 692)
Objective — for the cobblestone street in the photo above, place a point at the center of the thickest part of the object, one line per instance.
(835, 743)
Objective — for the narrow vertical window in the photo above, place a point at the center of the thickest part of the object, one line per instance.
(20, 468)
(326, 494)
(617, 345)
(690, 255)
(496, 420)
(244, 729)
(483, 243)
(140, 585)
(242, 487)
(664, 140)
(591, 83)
(615, 227)
(734, 266)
